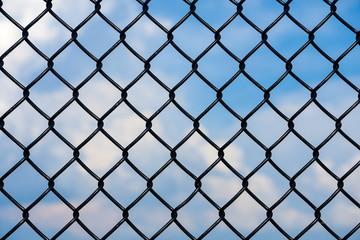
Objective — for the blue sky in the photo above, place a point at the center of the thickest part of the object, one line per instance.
(25, 185)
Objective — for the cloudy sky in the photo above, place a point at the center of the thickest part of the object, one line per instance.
(245, 92)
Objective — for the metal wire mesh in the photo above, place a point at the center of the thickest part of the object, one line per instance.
(239, 11)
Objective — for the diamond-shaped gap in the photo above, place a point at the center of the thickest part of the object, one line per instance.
(149, 215)
(129, 11)
(217, 66)
(25, 184)
(97, 36)
(215, 13)
(266, 125)
(262, 12)
(221, 231)
(124, 184)
(74, 232)
(50, 94)
(347, 66)
(145, 37)
(316, 184)
(289, 96)
(242, 95)
(24, 63)
(50, 215)
(350, 123)
(269, 232)
(348, 10)
(100, 215)
(11, 32)
(172, 232)
(301, 10)
(219, 125)
(10, 93)
(286, 37)
(48, 34)
(313, 124)
(244, 154)
(122, 66)
(49, 83)
(100, 154)
(29, 10)
(193, 37)
(148, 154)
(245, 207)
(195, 95)
(170, 66)
(196, 154)
(72, 12)
(99, 95)
(75, 184)
(311, 67)
(168, 13)
(291, 154)
(25, 123)
(318, 232)
(50, 154)
(73, 64)
(147, 95)
(336, 96)
(10, 153)
(293, 215)
(197, 215)
(268, 184)
(351, 183)
(265, 67)
(10, 215)
(339, 155)
(234, 155)
(341, 215)
(124, 125)
(334, 37)
(171, 125)
(124, 232)
(239, 37)
(213, 184)
(174, 185)
(24, 232)
(75, 124)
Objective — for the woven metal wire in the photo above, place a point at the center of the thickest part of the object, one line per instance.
(238, 12)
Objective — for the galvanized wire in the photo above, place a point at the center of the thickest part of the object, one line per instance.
(238, 12)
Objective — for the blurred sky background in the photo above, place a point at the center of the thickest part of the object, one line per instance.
(50, 154)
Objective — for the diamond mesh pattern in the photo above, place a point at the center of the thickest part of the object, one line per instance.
(151, 177)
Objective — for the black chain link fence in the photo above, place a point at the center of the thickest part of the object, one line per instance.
(239, 11)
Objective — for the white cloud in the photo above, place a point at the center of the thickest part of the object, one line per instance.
(265, 188)
(44, 33)
(9, 34)
(53, 215)
(9, 94)
(263, 185)
(245, 208)
(73, 12)
(293, 218)
(342, 214)
(27, 12)
(17, 63)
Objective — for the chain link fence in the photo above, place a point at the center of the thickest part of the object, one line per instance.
(186, 171)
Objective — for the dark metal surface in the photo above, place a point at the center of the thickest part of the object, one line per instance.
(172, 93)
